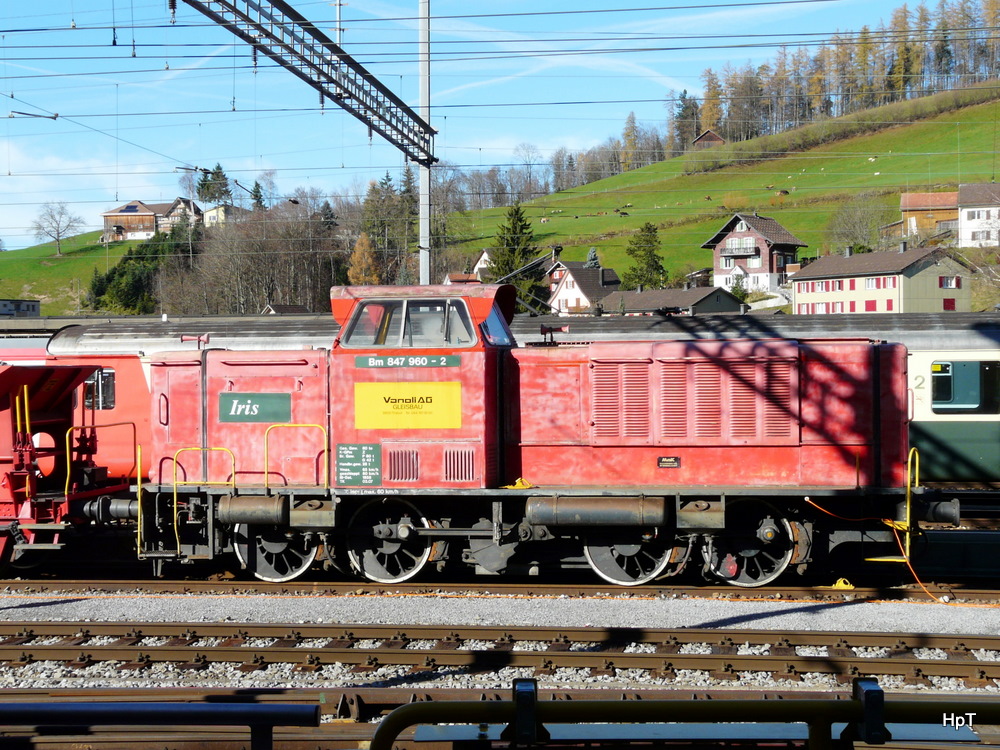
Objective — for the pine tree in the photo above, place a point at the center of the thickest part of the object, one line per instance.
(257, 197)
(592, 259)
(213, 187)
(513, 248)
(363, 269)
(644, 249)
(630, 144)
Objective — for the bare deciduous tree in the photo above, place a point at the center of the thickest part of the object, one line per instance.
(57, 223)
(857, 223)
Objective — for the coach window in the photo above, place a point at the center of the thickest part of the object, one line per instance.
(495, 329)
(99, 390)
(965, 387)
(417, 324)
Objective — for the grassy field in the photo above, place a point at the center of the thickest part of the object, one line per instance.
(59, 282)
(802, 191)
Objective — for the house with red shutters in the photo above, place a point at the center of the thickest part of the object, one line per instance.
(756, 248)
(926, 279)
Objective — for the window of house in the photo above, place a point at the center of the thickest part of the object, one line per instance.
(949, 282)
(779, 261)
(983, 234)
(747, 243)
(948, 304)
(741, 226)
(838, 307)
(803, 307)
(871, 283)
(728, 262)
(820, 286)
(753, 261)
(965, 387)
(977, 214)
(99, 390)
(821, 308)
(733, 243)
(870, 305)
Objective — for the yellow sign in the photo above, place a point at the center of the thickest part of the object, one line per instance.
(407, 406)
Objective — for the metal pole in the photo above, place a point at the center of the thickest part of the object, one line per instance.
(425, 170)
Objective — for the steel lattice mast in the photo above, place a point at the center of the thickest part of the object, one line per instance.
(277, 30)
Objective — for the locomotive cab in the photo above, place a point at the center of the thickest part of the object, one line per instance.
(418, 377)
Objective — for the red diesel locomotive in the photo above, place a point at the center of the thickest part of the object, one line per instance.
(422, 436)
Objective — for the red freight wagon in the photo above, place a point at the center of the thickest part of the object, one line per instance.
(422, 436)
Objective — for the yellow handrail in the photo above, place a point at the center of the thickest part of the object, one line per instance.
(912, 478)
(138, 500)
(231, 482)
(325, 450)
(74, 428)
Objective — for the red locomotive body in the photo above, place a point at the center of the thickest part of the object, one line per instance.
(421, 435)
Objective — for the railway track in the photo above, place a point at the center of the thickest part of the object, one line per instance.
(955, 592)
(646, 655)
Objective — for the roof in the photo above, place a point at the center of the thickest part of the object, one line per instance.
(463, 278)
(132, 207)
(765, 226)
(979, 194)
(593, 283)
(926, 201)
(863, 264)
(658, 299)
(285, 310)
(710, 135)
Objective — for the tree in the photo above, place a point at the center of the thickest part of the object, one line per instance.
(213, 187)
(739, 287)
(363, 268)
(630, 143)
(257, 196)
(57, 223)
(513, 248)
(711, 103)
(857, 223)
(644, 249)
(592, 259)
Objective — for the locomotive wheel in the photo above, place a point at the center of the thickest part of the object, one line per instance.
(628, 559)
(273, 554)
(756, 549)
(381, 546)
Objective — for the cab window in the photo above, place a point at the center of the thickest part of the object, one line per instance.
(495, 329)
(99, 390)
(416, 324)
(965, 387)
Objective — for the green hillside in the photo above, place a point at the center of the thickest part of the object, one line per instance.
(59, 282)
(802, 191)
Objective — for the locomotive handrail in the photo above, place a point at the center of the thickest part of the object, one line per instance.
(138, 500)
(325, 450)
(272, 362)
(176, 484)
(74, 428)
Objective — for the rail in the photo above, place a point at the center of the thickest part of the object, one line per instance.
(529, 721)
(261, 719)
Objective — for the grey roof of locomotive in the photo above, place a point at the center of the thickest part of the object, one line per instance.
(150, 337)
(919, 331)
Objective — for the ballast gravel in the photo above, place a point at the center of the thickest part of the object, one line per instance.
(499, 611)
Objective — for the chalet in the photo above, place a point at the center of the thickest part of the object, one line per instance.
(574, 288)
(926, 279)
(979, 215)
(755, 247)
(140, 221)
(461, 278)
(925, 214)
(694, 301)
(20, 308)
(707, 139)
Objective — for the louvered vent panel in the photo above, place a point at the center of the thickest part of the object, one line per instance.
(779, 415)
(707, 400)
(743, 399)
(459, 465)
(635, 399)
(606, 401)
(402, 465)
(673, 400)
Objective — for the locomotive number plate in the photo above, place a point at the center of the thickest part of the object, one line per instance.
(410, 360)
(668, 462)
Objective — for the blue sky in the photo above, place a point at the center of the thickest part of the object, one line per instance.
(138, 96)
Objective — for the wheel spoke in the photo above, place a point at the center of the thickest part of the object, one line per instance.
(273, 554)
(739, 557)
(634, 560)
(387, 560)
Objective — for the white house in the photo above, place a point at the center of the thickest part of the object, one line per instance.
(979, 215)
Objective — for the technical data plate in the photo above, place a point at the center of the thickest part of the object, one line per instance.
(753, 732)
